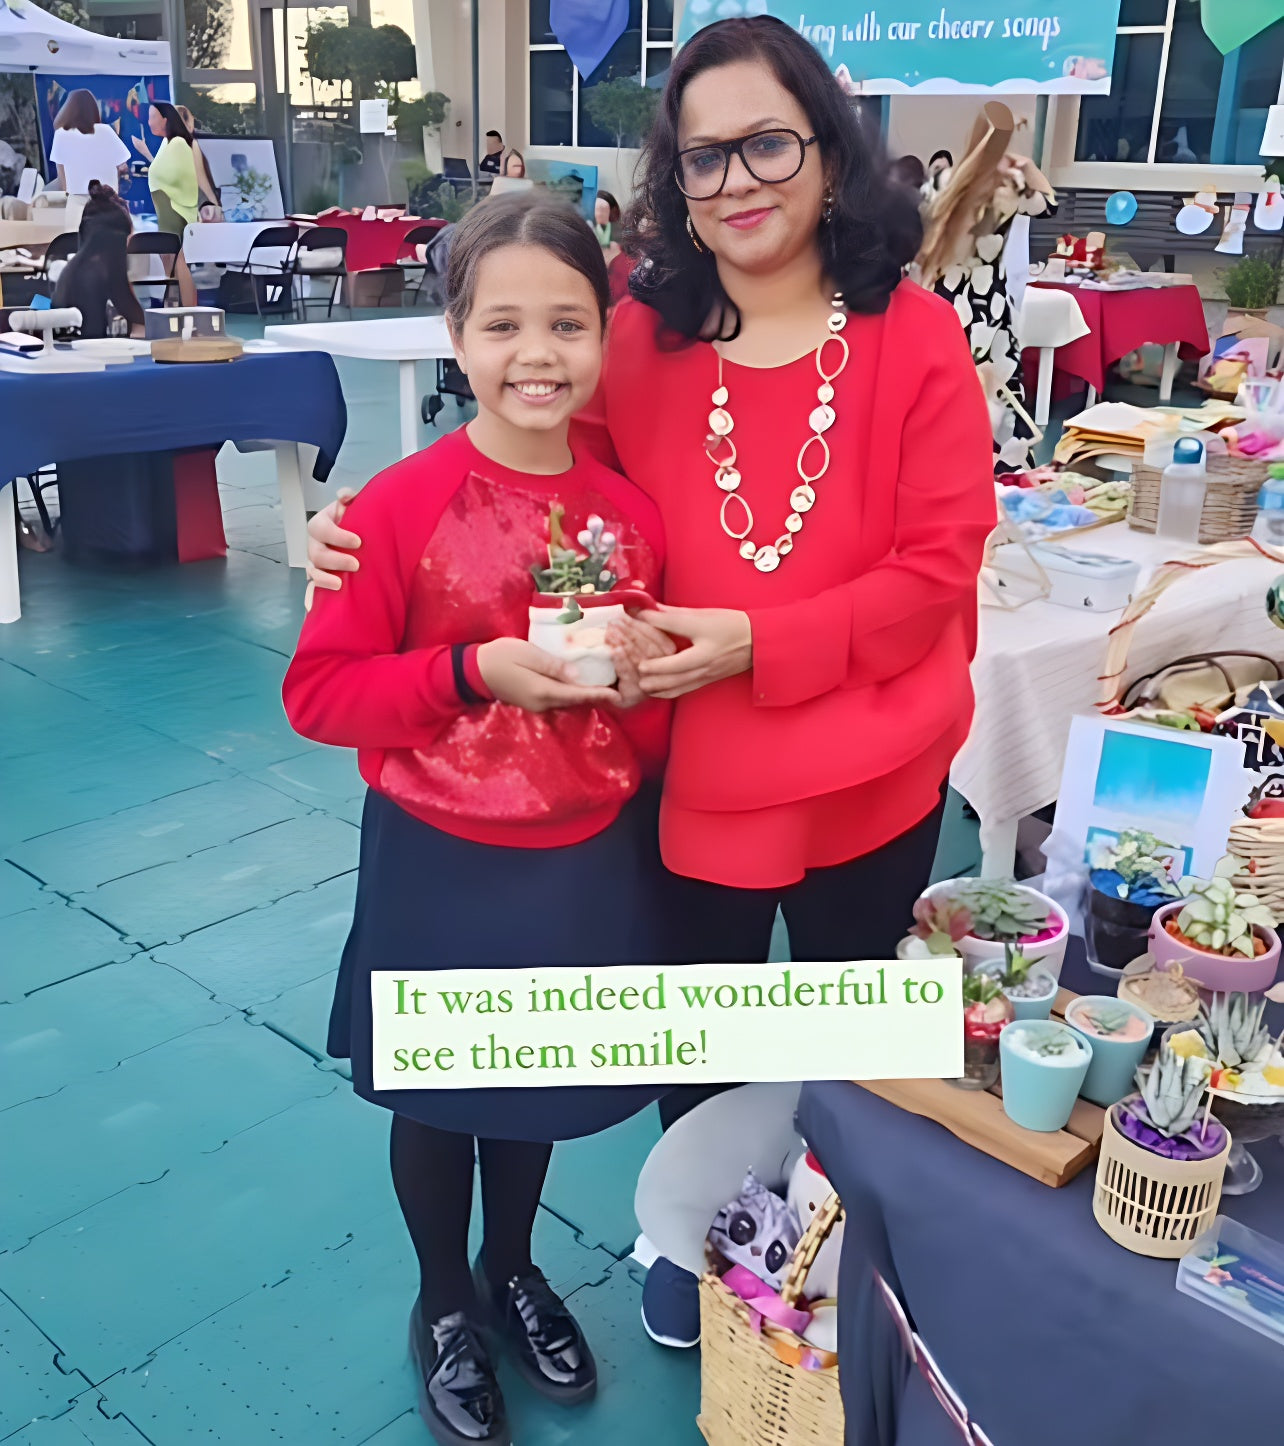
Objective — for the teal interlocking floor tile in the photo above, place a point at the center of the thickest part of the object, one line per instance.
(302, 1015)
(52, 942)
(256, 956)
(84, 1425)
(321, 777)
(162, 904)
(318, 1358)
(150, 1113)
(119, 1280)
(31, 1381)
(80, 858)
(62, 1034)
(18, 891)
(591, 1181)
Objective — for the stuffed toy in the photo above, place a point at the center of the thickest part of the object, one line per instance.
(757, 1230)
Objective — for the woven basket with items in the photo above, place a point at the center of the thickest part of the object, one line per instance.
(1230, 502)
(762, 1384)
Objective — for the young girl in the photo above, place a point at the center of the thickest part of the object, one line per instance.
(507, 822)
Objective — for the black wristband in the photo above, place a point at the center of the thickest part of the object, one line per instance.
(467, 693)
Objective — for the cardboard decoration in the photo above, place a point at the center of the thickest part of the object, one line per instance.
(1196, 216)
(1232, 242)
(1268, 214)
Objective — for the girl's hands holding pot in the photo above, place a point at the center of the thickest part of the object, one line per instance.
(721, 646)
(518, 672)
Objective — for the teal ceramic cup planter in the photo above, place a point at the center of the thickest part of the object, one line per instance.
(1044, 1065)
(1111, 1074)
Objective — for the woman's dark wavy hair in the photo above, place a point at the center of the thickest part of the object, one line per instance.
(872, 235)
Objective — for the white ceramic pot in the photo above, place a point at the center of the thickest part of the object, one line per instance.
(1049, 952)
(582, 643)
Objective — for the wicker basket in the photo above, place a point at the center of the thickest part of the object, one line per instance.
(1230, 503)
(752, 1392)
(1259, 842)
(1150, 1205)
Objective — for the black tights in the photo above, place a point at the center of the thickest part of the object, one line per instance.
(432, 1173)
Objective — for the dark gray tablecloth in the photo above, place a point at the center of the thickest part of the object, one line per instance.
(1052, 1334)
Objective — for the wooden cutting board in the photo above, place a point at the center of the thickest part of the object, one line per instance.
(976, 1117)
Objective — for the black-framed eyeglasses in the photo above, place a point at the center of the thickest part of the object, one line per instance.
(769, 156)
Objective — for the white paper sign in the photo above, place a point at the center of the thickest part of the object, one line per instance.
(374, 117)
(643, 1024)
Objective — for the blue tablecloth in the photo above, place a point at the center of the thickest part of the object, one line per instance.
(145, 406)
(1052, 1334)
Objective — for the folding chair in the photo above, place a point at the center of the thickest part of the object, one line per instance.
(421, 236)
(310, 259)
(156, 243)
(272, 283)
(61, 248)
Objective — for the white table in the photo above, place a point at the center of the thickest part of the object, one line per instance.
(401, 339)
(1037, 666)
(227, 243)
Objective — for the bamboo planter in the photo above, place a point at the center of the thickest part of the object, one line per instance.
(1151, 1205)
(753, 1389)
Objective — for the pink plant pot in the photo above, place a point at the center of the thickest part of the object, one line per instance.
(1214, 972)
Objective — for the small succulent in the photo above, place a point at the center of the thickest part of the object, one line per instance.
(1233, 1029)
(1220, 918)
(1171, 1092)
(1132, 866)
(570, 571)
(1016, 966)
(980, 988)
(1106, 1019)
(940, 923)
(1052, 1043)
(1001, 911)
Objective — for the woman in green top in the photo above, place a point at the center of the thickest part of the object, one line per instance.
(172, 181)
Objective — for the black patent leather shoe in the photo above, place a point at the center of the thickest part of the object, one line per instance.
(548, 1346)
(459, 1397)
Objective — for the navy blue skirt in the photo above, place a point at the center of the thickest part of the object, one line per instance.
(429, 900)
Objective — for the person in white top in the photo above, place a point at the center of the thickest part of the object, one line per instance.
(84, 149)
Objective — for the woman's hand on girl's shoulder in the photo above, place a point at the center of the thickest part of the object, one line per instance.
(330, 546)
(519, 673)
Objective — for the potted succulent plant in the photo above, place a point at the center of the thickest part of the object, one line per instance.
(1223, 937)
(575, 602)
(1159, 1176)
(1120, 1034)
(1030, 989)
(1043, 1068)
(938, 926)
(1130, 879)
(1003, 912)
(985, 1011)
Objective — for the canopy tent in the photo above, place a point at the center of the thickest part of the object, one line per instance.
(32, 40)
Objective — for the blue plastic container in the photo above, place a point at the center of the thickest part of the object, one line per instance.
(1114, 1061)
(1038, 1094)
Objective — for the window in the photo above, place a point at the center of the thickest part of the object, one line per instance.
(557, 90)
(1174, 98)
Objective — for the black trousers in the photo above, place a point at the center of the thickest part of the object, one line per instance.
(860, 909)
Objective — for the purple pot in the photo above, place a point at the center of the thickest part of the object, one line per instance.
(1215, 972)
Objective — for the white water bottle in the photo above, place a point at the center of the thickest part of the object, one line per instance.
(1181, 492)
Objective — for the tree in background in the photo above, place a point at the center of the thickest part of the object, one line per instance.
(209, 25)
(623, 108)
(370, 59)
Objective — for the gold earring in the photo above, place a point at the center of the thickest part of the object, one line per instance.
(827, 207)
(691, 231)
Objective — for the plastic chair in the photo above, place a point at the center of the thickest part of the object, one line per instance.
(316, 239)
(421, 236)
(156, 243)
(272, 282)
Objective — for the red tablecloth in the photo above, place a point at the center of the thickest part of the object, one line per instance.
(1121, 321)
(373, 243)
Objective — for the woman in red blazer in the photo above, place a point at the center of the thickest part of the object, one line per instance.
(813, 430)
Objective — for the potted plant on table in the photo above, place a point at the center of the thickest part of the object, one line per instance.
(1130, 879)
(1223, 937)
(1004, 912)
(1044, 1064)
(1159, 1176)
(986, 1009)
(1029, 989)
(938, 926)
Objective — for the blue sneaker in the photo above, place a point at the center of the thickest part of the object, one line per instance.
(671, 1305)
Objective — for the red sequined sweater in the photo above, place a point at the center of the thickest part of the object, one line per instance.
(448, 538)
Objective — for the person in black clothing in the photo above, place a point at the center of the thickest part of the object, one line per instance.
(98, 273)
(489, 163)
